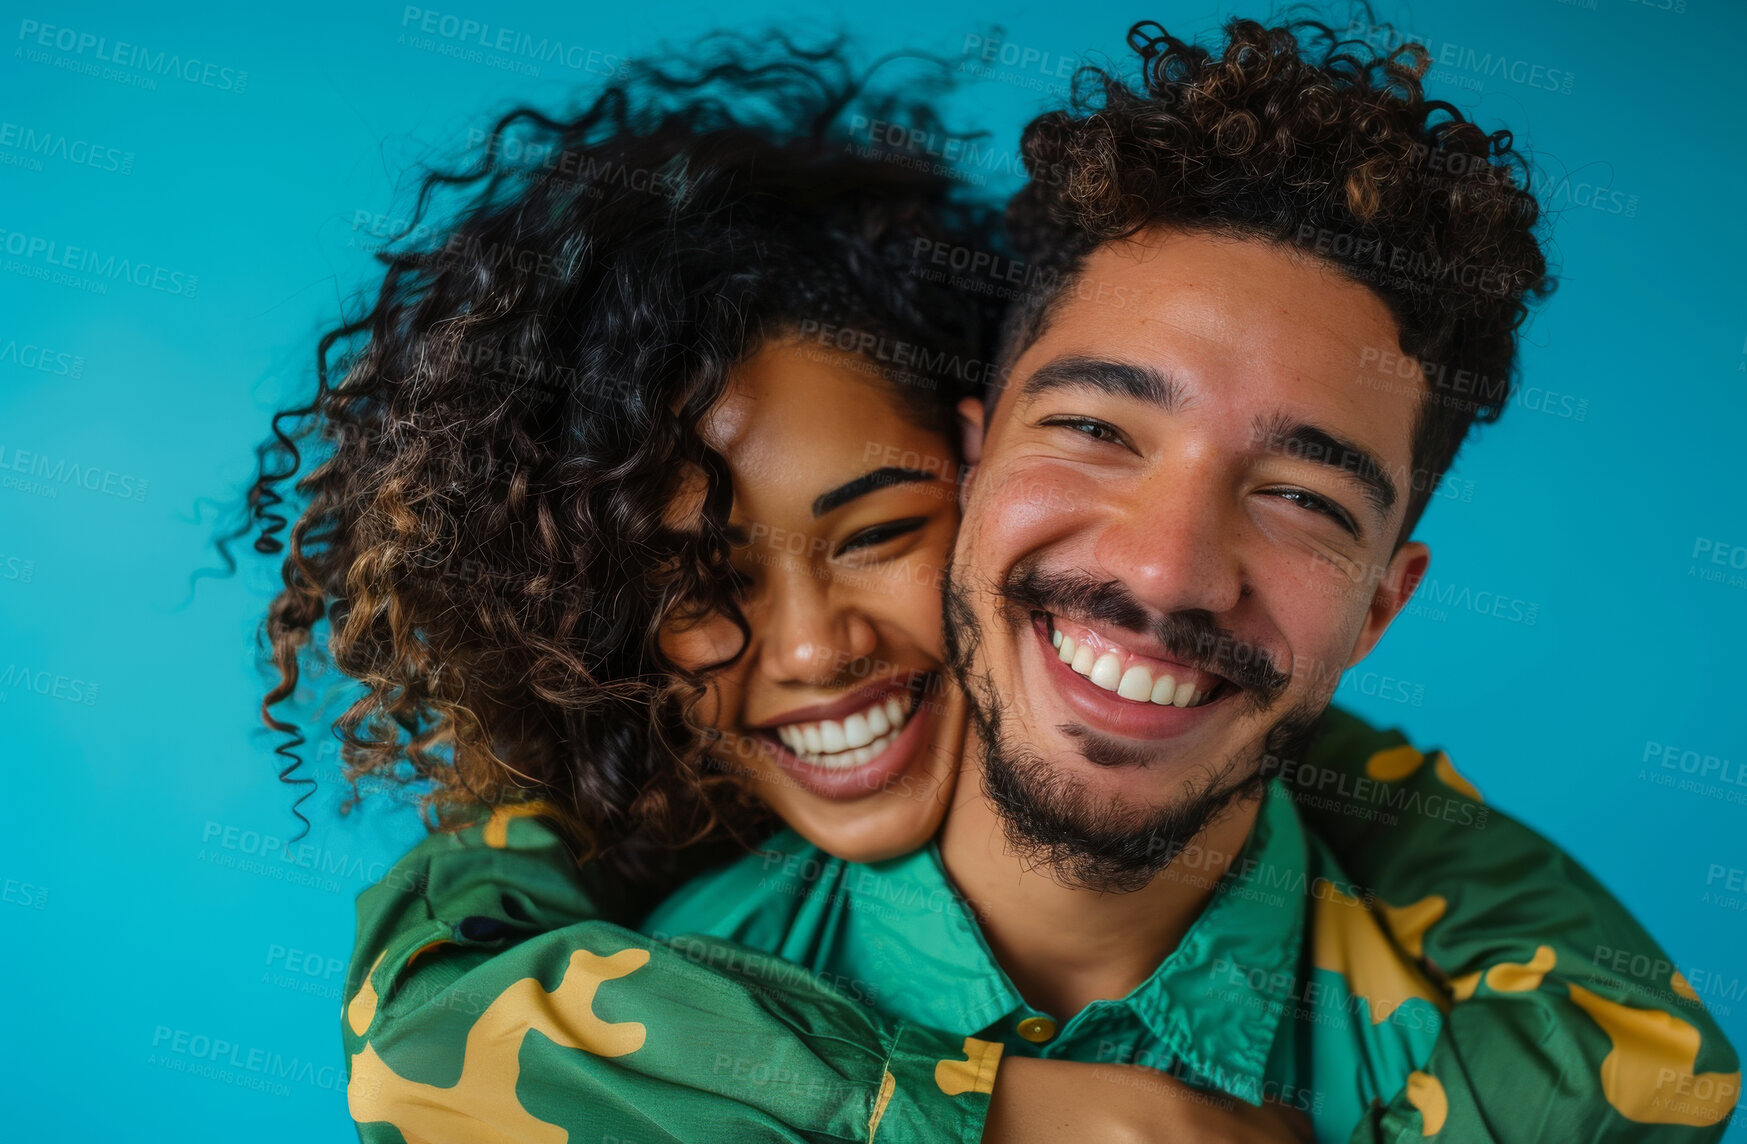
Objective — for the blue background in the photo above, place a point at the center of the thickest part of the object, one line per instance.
(140, 782)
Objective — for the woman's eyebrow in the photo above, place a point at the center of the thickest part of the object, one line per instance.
(867, 483)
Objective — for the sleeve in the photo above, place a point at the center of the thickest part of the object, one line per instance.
(487, 1001)
(1567, 1020)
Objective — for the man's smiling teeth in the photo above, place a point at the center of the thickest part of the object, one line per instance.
(1137, 683)
(852, 742)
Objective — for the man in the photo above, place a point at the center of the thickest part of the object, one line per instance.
(1231, 264)
(1229, 267)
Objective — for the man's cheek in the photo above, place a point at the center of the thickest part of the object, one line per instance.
(1324, 593)
(1029, 501)
(1291, 550)
(1316, 671)
(1313, 630)
(919, 606)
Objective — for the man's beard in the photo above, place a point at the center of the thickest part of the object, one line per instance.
(1050, 819)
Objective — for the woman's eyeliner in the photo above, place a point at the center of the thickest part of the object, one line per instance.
(880, 533)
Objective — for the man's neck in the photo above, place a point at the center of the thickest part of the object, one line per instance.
(1065, 948)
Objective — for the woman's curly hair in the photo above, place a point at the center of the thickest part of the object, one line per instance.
(483, 473)
(1299, 135)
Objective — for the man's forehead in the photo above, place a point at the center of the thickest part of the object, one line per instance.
(1213, 310)
(1264, 299)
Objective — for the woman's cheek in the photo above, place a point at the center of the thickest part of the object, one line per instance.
(920, 594)
(698, 645)
(710, 709)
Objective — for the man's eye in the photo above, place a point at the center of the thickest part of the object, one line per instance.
(1091, 427)
(880, 533)
(1317, 504)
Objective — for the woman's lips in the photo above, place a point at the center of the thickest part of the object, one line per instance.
(850, 701)
(870, 777)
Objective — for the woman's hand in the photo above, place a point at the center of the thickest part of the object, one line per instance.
(1046, 1102)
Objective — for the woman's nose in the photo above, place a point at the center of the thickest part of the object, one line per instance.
(811, 635)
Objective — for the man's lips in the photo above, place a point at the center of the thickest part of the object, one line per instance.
(1108, 709)
(1131, 674)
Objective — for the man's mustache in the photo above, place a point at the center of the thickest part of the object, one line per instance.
(1191, 636)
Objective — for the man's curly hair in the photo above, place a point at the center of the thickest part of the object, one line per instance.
(1293, 134)
(484, 472)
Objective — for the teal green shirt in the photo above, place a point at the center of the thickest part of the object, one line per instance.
(489, 999)
(1286, 987)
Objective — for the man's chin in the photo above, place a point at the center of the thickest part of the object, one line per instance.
(1110, 814)
(1100, 830)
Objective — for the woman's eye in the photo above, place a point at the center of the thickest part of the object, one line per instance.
(880, 533)
(1089, 426)
(1322, 505)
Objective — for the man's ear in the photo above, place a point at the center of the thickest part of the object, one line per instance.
(970, 445)
(1406, 569)
(970, 430)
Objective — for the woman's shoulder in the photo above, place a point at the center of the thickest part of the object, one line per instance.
(506, 869)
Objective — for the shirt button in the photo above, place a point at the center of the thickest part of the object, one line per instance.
(1037, 1029)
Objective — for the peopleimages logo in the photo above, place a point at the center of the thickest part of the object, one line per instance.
(44, 253)
(258, 1067)
(51, 684)
(469, 39)
(87, 46)
(65, 472)
(33, 144)
(1501, 65)
(29, 355)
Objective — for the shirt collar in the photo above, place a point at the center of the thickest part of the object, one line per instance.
(925, 919)
(1215, 1002)
(1218, 998)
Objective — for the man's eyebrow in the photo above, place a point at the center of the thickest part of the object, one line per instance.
(1100, 375)
(865, 484)
(1281, 433)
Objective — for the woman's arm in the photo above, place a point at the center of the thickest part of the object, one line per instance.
(487, 1001)
(1568, 1019)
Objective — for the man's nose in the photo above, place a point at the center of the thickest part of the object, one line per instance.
(811, 635)
(1172, 540)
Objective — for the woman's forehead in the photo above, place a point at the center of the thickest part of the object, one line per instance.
(798, 417)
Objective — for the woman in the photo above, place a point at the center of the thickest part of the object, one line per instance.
(513, 507)
(658, 439)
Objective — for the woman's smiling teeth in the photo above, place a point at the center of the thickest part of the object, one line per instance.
(1143, 684)
(851, 742)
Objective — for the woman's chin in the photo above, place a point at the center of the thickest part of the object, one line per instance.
(886, 825)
